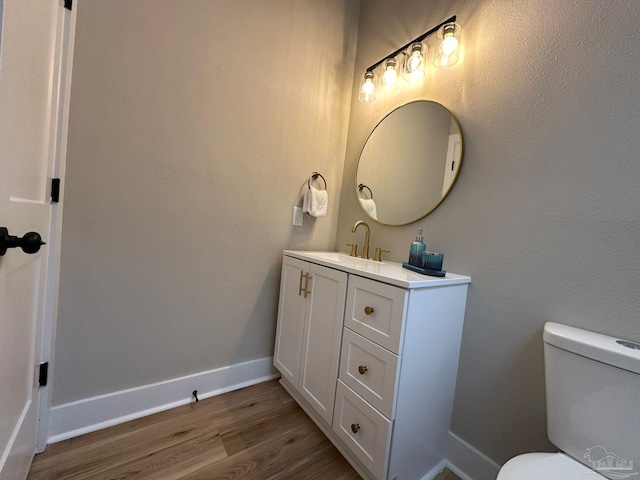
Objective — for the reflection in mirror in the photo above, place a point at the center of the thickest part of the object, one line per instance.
(409, 163)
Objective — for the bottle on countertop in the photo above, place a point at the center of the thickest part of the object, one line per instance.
(417, 247)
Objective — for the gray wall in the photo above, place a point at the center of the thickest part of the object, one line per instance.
(545, 216)
(193, 126)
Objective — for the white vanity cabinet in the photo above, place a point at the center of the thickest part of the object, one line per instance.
(381, 349)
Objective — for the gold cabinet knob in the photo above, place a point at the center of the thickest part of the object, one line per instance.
(355, 427)
(362, 369)
(368, 310)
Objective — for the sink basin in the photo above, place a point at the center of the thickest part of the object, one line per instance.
(343, 259)
(386, 271)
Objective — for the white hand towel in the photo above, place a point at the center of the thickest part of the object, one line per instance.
(315, 202)
(369, 206)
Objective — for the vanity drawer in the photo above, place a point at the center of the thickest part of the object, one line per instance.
(375, 311)
(364, 430)
(370, 371)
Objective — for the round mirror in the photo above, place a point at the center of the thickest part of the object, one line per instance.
(409, 163)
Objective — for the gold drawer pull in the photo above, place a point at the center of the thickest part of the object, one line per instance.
(368, 310)
(355, 427)
(362, 369)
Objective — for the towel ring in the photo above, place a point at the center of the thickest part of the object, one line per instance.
(362, 186)
(314, 176)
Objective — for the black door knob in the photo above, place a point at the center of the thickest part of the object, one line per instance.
(29, 243)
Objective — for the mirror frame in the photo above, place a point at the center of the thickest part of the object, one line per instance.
(455, 179)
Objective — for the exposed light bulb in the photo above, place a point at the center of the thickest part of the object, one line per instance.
(442, 61)
(389, 80)
(368, 88)
(449, 45)
(390, 76)
(414, 64)
(414, 61)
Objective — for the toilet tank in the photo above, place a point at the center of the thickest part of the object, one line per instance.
(593, 398)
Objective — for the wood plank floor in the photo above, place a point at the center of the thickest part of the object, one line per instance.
(256, 433)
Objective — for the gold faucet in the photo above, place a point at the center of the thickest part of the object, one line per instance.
(367, 232)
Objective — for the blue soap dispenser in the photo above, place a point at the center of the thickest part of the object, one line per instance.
(417, 247)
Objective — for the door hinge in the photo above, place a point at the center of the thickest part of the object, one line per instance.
(43, 376)
(68, 4)
(55, 190)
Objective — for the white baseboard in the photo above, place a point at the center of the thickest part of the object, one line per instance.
(95, 413)
(435, 471)
(467, 462)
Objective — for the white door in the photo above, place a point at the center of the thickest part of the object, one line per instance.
(322, 335)
(33, 39)
(452, 162)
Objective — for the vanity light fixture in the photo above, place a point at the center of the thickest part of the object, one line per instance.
(413, 61)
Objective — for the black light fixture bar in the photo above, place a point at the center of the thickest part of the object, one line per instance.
(415, 40)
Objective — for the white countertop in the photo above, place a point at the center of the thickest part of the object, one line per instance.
(387, 272)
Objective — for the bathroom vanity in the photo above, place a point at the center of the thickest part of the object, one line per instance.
(370, 351)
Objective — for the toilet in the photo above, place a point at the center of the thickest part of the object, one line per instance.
(593, 409)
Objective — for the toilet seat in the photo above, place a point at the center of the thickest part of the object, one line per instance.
(546, 466)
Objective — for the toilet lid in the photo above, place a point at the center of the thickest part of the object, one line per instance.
(546, 466)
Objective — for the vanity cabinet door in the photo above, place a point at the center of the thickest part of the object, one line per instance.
(322, 338)
(291, 313)
(309, 331)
